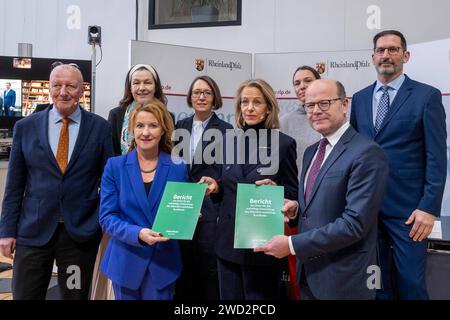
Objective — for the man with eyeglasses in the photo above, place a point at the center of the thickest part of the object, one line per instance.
(342, 184)
(407, 119)
(295, 124)
(50, 206)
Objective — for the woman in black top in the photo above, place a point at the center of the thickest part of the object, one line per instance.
(244, 274)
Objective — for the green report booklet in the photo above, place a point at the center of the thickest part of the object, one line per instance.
(258, 215)
(179, 209)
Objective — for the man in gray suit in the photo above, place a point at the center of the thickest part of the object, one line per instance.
(342, 185)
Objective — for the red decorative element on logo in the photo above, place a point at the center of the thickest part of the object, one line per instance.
(199, 64)
(320, 67)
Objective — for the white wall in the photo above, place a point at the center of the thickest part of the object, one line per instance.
(305, 25)
(256, 34)
(267, 26)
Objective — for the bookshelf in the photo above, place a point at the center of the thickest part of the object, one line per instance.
(36, 92)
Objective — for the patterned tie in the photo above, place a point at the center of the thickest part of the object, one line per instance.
(315, 168)
(62, 154)
(383, 107)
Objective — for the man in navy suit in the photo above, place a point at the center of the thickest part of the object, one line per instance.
(9, 100)
(50, 207)
(342, 185)
(407, 119)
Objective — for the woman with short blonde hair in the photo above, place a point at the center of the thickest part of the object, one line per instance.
(159, 110)
(271, 121)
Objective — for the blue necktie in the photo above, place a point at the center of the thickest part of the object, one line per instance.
(383, 107)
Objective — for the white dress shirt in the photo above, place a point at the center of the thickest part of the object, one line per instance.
(196, 134)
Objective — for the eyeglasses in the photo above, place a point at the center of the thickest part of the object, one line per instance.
(197, 94)
(59, 63)
(379, 51)
(323, 105)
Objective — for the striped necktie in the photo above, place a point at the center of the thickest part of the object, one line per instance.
(383, 107)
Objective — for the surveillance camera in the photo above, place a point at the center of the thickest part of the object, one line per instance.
(95, 35)
(93, 29)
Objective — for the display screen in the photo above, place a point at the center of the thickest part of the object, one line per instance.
(22, 63)
(12, 97)
(24, 85)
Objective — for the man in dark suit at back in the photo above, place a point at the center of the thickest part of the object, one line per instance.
(51, 199)
(342, 184)
(407, 119)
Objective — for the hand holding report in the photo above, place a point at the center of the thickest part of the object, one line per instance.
(151, 237)
(258, 215)
(179, 210)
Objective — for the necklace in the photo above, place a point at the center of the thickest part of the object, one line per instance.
(149, 171)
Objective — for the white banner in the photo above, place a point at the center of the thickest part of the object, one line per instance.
(430, 63)
(177, 66)
(353, 68)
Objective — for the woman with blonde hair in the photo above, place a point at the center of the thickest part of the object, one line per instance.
(142, 86)
(141, 263)
(244, 274)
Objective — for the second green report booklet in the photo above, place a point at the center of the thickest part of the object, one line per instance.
(179, 210)
(258, 215)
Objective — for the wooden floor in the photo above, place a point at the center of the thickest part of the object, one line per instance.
(3, 275)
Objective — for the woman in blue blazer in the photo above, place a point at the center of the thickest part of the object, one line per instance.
(141, 263)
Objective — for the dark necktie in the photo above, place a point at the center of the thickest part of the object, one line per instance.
(62, 154)
(315, 168)
(383, 108)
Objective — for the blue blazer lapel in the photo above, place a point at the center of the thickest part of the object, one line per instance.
(368, 107)
(159, 183)
(83, 135)
(402, 95)
(41, 124)
(137, 185)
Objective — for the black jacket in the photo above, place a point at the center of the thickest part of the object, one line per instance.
(232, 174)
